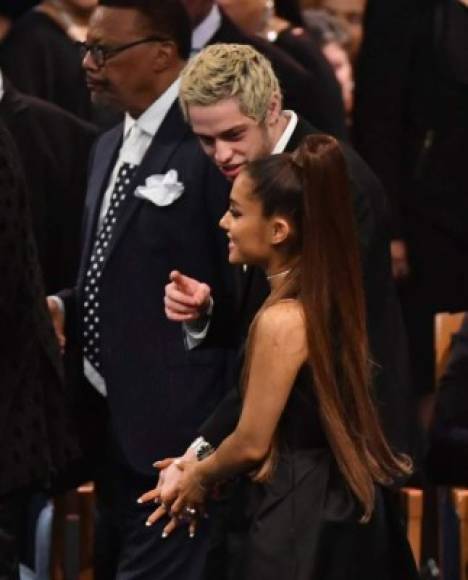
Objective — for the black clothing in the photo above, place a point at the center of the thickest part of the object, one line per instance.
(411, 126)
(54, 147)
(385, 327)
(157, 392)
(41, 60)
(35, 436)
(304, 522)
(12, 513)
(299, 44)
(312, 94)
(141, 553)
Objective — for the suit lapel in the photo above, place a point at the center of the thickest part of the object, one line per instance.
(165, 142)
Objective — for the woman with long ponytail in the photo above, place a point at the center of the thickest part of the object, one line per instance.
(309, 441)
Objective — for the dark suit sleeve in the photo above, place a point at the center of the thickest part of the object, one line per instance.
(448, 452)
(14, 224)
(224, 420)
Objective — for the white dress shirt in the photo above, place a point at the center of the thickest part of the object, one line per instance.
(207, 28)
(137, 137)
(195, 332)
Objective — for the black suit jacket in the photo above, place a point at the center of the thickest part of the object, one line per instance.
(54, 147)
(158, 393)
(35, 436)
(311, 94)
(411, 114)
(385, 327)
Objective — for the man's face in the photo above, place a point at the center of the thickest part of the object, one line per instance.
(124, 81)
(350, 13)
(228, 137)
(198, 10)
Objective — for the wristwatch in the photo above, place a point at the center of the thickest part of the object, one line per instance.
(202, 448)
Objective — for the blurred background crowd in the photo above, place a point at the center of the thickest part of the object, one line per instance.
(389, 76)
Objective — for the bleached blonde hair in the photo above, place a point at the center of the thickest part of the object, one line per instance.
(223, 71)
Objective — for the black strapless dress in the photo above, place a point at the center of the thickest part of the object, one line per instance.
(304, 523)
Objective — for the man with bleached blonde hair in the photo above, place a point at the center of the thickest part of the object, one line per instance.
(231, 98)
(219, 73)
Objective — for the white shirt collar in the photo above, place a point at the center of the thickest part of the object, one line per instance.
(287, 133)
(206, 29)
(2, 89)
(150, 121)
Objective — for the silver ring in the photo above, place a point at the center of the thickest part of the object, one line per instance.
(191, 511)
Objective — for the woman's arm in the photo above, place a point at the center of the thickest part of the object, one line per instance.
(279, 350)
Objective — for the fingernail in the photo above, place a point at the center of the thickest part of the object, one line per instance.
(164, 535)
(148, 523)
(191, 534)
(139, 500)
(156, 463)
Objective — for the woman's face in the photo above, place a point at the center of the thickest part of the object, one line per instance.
(249, 231)
(350, 13)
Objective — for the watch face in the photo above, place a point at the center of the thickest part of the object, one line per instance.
(204, 449)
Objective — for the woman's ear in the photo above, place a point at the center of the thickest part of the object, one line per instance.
(280, 230)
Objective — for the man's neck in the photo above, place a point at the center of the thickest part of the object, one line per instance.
(160, 87)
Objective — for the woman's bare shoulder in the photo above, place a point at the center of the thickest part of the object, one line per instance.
(283, 324)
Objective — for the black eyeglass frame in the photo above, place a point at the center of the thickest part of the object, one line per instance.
(101, 54)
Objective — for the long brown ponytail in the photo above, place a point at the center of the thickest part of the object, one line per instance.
(310, 187)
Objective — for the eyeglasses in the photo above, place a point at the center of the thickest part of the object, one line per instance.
(101, 54)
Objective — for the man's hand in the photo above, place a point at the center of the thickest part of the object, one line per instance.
(400, 264)
(185, 298)
(58, 322)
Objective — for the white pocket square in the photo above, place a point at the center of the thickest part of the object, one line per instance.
(161, 190)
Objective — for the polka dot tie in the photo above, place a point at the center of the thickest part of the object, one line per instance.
(91, 329)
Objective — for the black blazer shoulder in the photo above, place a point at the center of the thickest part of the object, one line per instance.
(54, 146)
(35, 436)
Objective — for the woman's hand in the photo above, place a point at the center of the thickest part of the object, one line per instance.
(192, 491)
(186, 514)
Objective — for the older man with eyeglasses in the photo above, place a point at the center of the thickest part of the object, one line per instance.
(153, 203)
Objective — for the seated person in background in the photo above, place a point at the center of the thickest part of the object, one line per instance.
(350, 14)
(258, 18)
(335, 43)
(41, 57)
